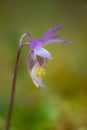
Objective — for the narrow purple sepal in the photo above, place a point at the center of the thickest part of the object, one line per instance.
(57, 41)
(50, 32)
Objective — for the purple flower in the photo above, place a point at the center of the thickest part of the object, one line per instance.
(39, 56)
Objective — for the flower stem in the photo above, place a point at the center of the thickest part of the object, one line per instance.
(13, 90)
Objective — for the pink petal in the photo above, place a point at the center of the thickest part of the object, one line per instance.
(42, 52)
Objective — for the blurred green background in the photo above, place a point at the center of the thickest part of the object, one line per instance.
(63, 104)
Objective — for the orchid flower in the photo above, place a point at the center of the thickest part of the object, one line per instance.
(36, 61)
(39, 56)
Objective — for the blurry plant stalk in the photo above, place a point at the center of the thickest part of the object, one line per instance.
(14, 83)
